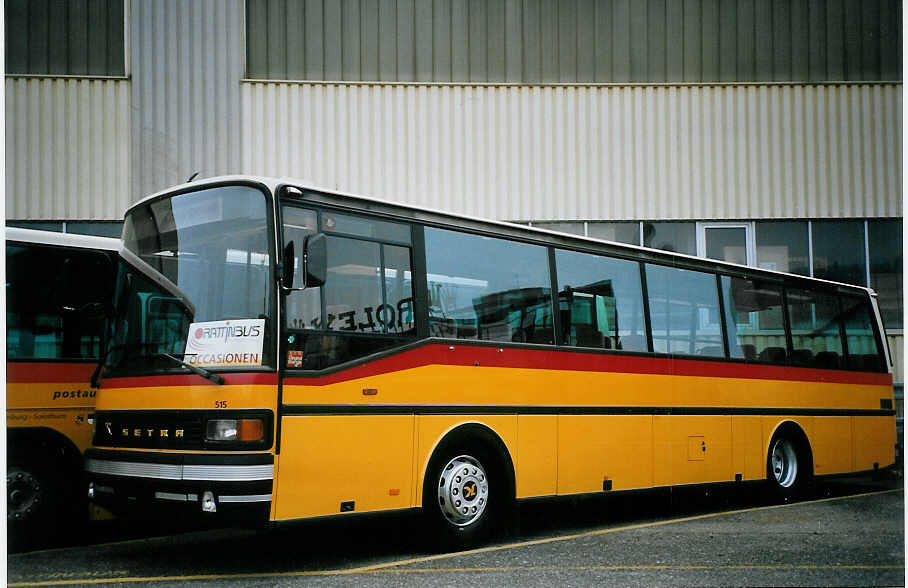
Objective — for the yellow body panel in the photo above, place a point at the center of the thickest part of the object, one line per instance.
(537, 455)
(379, 461)
(595, 448)
(202, 396)
(472, 386)
(691, 449)
(748, 454)
(832, 444)
(331, 460)
(61, 406)
(874, 442)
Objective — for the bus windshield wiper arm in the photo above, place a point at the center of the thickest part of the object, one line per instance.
(195, 369)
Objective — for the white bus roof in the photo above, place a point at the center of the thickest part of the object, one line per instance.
(61, 239)
(273, 182)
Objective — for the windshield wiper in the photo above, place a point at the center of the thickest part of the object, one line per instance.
(194, 369)
(96, 375)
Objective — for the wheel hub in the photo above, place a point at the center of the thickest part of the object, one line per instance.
(784, 463)
(23, 493)
(463, 490)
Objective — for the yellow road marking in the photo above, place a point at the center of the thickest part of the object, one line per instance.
(395, 566)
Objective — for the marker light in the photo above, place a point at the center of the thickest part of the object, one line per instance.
(235, 430)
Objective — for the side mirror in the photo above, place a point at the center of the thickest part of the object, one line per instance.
(288, 270)
(315, 260)
(315, 264)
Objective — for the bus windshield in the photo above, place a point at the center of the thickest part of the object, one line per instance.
(194, 283)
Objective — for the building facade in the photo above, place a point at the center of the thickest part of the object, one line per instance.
(767, 132)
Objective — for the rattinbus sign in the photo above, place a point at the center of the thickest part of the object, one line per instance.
(233, 343)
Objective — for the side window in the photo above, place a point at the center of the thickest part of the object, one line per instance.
(47, 293)
(366, 303)
(488, 289)
(754, 320)
(815, 334)
(600, 302)
(864, 353)
(684, 311)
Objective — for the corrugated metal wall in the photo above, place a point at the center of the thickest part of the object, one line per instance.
(533, 41)
(65, 37)
(67, 148)
(564, 153)
(187, 59)
(897, 349)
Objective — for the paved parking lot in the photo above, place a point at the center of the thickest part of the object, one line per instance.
(852, 534)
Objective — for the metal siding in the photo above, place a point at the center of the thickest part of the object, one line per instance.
(67, 148)
(897, 350)
(65, 37)
(185, 90)
(566, 41)
(588, 152)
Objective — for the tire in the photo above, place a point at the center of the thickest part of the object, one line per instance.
(465, 495)
(40, 503)
(788, 466)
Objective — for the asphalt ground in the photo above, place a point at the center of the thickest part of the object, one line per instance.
(852, 532)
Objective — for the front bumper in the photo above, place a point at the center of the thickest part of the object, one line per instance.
(128, 481)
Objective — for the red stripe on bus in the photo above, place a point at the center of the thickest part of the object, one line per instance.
(469, 355)
(508, 357)
(247, 379)
(31, 372)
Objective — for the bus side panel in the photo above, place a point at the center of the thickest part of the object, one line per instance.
(537, 455)
(831, 443)
(874, 442)
(747, 448)
(430, 430)
(330, 461)
(51, 395)
(596, 448)
(692, 449)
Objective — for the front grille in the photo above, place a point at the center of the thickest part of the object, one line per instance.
(149, 429)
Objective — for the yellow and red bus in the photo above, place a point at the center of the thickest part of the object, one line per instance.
(287, 352)
(58, 294)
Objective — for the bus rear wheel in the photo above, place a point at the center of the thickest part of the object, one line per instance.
(788, 466)
(464, 496)
(42, 506)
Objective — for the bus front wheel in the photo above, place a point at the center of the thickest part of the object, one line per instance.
(464, 495)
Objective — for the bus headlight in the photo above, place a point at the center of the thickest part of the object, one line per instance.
(249, 430)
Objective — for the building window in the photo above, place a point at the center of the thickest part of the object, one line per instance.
(97, 228)
(838, 251)
(783, 246)
(573, 228)
(680, 237)
(620, 232)
(68, 37)
(885, 245)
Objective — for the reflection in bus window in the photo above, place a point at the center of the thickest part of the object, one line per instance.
(753, 319)
(46, 298)
(600, 301)
(684, 310)
(815, 333)
(863, 353)
(488, 289)
(365, 305)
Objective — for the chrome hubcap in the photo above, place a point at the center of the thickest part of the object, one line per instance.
(463, 490)
(784, 463)
(23, 493)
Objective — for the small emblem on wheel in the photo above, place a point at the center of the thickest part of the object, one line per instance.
(469, 490)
